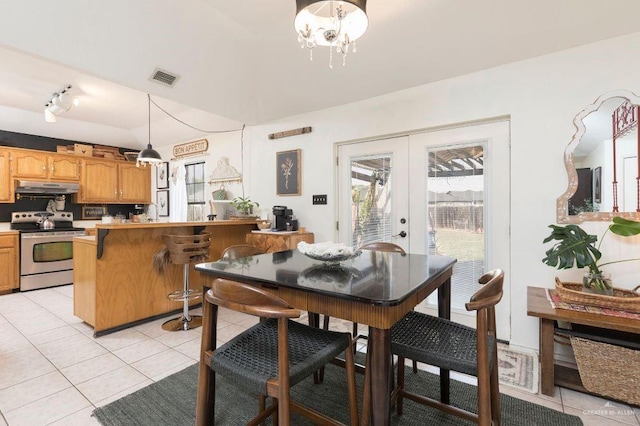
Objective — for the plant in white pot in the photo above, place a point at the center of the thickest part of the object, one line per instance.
(574, 247)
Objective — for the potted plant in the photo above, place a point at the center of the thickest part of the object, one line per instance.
(244, 205)
(575, 247)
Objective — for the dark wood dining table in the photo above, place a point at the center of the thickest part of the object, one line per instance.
(376, 289)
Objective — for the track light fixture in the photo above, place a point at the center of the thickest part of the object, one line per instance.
(60, 102)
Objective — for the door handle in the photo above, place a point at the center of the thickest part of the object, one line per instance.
(402, 234)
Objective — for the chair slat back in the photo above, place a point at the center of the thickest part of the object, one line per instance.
(187, 248)
(248, 299)
(383, 246)
(240, 250)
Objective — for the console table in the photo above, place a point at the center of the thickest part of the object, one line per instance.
(550, 373)
(272, 241)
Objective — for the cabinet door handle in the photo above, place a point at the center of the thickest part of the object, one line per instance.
(52, 168)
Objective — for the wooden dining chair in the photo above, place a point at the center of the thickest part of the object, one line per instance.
(240, 250)
(269, 357)
(452, 346)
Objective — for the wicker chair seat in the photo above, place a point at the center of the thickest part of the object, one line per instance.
(451, 346)
(251, 358)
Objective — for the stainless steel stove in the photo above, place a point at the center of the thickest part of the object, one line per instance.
(46, 255)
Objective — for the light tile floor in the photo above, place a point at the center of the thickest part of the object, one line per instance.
(54, 372)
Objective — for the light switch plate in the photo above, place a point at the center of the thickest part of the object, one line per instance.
(319, 199)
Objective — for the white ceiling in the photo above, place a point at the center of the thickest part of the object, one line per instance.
(239, 61)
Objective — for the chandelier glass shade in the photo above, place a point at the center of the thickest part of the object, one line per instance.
(330, 23)
(148, 155)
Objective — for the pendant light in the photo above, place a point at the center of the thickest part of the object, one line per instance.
(148, 155)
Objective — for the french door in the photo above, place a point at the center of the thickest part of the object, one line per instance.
(442, 192)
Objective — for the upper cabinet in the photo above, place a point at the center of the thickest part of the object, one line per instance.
(135, 183)
(6, 183)
(114, 182)
(29, 164)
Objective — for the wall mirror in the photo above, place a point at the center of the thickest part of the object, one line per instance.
(602, 161)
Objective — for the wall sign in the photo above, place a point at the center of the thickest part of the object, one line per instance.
(93, 212)
(191, 148)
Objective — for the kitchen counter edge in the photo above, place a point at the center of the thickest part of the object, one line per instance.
(173, 224)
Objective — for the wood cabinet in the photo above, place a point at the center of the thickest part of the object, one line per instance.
(104, 181)
(9, 262)
(31, 164)
(6, 183)
(135, 183)
(278, 241)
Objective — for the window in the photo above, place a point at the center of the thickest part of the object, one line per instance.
(456, 210)
(195, 191)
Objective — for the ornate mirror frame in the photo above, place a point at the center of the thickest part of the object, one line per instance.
(562, 203)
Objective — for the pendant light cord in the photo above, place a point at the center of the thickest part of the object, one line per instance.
(187, 124)
(203, 131)
(149, 107)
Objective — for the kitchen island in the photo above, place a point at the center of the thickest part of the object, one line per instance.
(115, 284)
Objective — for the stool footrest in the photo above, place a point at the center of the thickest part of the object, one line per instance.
(180, 295)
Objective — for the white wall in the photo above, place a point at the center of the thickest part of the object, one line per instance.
(542, 97)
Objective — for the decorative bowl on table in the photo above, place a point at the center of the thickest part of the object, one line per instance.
(329, 253)
(264, 225)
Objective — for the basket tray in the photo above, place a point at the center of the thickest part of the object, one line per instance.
(623, 300)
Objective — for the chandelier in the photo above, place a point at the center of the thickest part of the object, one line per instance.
(330, 23)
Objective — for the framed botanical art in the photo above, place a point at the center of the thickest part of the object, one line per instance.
(162, 201)
(162, 175)
(288, 173)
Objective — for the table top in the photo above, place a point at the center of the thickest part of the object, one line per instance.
(374, 277)
(539, 306)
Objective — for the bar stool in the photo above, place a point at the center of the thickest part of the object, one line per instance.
(184, 250)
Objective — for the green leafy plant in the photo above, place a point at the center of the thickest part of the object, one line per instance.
(244, 205)
(574, 247)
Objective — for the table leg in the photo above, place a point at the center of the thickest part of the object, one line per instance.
(444, 311)
(380, 347)
(546, 356)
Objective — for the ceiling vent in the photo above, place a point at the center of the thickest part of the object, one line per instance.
(164, 77)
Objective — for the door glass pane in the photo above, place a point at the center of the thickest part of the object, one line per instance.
(455, 205)
(370, 199)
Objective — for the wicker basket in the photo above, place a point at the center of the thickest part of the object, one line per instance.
(623, 300)
(608, 370)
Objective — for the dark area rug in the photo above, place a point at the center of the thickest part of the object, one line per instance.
(172, 401)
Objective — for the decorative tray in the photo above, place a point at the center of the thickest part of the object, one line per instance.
(623, 300)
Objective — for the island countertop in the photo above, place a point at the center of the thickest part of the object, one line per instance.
(145, 225)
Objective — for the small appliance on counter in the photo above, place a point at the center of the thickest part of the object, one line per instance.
(284, 219)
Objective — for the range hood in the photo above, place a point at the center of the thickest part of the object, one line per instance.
(44, 187)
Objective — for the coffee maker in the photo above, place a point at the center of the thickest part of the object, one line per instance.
(284, 219)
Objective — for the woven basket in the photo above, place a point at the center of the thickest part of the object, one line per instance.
(608, 370)
(219, 194)
(623, 300)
